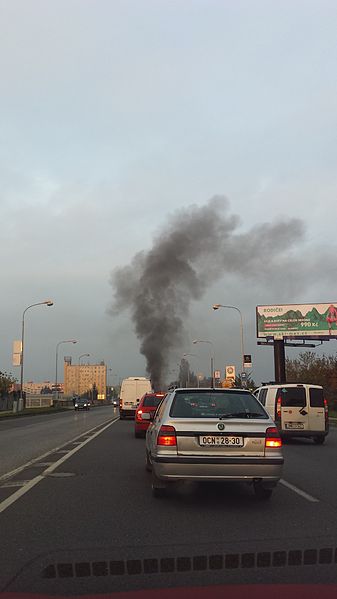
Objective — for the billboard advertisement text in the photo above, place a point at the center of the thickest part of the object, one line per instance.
(300, 321)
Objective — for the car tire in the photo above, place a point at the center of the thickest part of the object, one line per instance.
(138, 435)
(319, 439)
(158, 486)
(148, 464)
(262, 492)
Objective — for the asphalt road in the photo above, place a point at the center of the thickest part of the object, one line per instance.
(84, 521)
(29, 437)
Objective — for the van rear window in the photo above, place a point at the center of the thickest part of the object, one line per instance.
(316, 398)
(292, 397)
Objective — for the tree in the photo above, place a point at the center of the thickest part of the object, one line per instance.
(46, 390)
(6, 383)
(247, 383)
(316, 370)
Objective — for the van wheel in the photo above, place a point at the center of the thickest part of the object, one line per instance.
(319, 439)
(262, 492)
(148, 464)
(158, 486)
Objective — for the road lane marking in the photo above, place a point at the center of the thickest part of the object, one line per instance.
(299, 491)
(30, 484)
(19, 469)
(14, 483)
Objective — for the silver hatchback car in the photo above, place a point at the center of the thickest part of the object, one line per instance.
(213, 434)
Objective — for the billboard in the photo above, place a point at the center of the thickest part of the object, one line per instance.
(297, 321)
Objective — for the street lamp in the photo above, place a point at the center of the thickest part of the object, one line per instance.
(211, 354)
(45, 303)
(82, 356)
(112, 376)
(57, 348)
(188, 371)
(79, 368)
(216, 307)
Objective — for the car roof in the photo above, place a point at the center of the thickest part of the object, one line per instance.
(278, 385)
(209, 390)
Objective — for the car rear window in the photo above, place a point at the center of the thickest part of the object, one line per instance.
(151, 401)
(316, 398)
(262, 396)
(216, 405)
(292, 397)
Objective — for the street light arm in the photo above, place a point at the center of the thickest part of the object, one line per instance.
(46, 302)
(216, 307)
(211, 352)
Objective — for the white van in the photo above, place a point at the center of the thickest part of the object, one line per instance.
(132, 390)
(298, 410)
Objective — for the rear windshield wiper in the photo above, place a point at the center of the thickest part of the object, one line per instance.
(242, 415)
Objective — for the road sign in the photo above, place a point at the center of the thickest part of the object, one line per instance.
(217, 374)
(247, 361)
(244, 375)
(17, 353)
(230, 372)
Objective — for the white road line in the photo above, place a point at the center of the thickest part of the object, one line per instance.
(299, 491)
(13, 498)
(14, 483)
(44, 455)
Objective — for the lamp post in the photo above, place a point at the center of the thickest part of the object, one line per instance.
(56, 362)
(112, 376)
(211, 355)
(79, 369)
(216, 307)
(188, 371)
(45, 303)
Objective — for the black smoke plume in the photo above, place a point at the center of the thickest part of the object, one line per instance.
(197, 245)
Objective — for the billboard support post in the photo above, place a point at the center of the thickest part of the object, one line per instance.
(279, 361)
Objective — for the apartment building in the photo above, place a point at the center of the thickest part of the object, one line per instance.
(81, 378)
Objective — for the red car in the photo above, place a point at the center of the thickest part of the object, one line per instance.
(148, 403)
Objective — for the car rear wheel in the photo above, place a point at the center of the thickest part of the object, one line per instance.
(319, 439)
(138, 435)
(262, 492)
(158, 486)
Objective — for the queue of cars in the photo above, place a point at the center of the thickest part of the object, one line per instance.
(216, 434)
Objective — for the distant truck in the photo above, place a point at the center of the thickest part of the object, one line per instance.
(132, 390)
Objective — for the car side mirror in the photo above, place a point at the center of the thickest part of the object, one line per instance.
(146, 416)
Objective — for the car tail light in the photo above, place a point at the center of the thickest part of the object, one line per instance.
(278, 408)
(326, 409)
(167, 436)
(139, 415)
(273, 438)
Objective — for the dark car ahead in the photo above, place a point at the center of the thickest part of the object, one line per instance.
(82, 404)
(148, 404)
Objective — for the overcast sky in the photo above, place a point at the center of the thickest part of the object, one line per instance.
(114, 114)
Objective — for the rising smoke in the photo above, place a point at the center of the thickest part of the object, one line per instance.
(197, 245)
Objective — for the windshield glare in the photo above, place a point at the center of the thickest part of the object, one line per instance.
(216, 405)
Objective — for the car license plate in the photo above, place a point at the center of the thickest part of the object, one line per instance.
(224, 441)
(297, 425)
